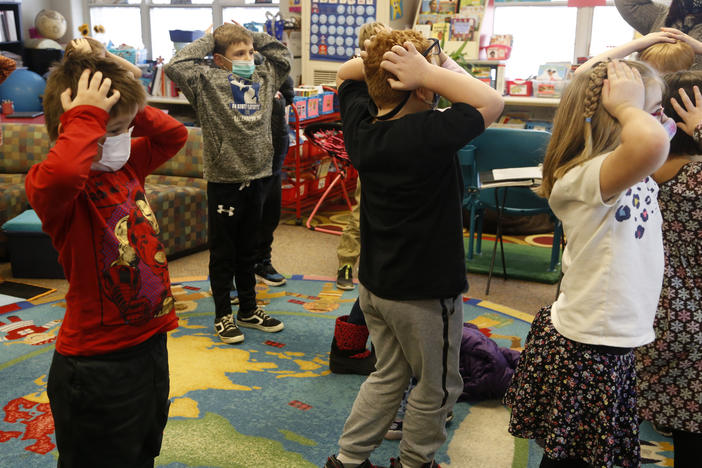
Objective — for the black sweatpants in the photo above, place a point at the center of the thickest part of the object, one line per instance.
(270, 216)
(234, 213)
(110, 410)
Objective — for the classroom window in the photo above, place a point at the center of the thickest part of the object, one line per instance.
(536, 45)
(608, 30)
(247, 15)
(113, 20)
(166, 19)
(123, 24)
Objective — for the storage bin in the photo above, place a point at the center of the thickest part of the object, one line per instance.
(327, 102)
(314, 104)
(300, 103)
(31, 253)
(181, 35)
(519, 88)
(552, 89)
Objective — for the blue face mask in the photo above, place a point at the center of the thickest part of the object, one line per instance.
(243, 68)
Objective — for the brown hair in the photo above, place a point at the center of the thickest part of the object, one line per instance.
(368, 30)
(228, 34)
(582, 128)
(66, 74)
(668, 57)
(377, 78)
(682, 143)
(96, 47)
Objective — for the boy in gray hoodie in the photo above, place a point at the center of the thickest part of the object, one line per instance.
(233, 101)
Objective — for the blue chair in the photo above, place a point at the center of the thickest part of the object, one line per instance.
(471, 196)
(499, 148)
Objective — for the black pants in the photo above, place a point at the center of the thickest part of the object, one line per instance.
(687, 449)
(234, 213)
(563, 463)
(110, 410)
(270, 216)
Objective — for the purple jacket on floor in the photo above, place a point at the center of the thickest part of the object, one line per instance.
(486, 368)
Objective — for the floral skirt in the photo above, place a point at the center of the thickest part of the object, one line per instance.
(579, 400)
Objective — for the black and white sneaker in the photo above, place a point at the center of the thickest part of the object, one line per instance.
(394, 431)
(260, 321)
(266, 273)
(344, 278)
(227, 330)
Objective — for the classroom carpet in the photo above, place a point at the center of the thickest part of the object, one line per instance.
(267, 402)
(526, 258)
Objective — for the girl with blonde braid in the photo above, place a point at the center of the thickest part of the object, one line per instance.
(575, 386)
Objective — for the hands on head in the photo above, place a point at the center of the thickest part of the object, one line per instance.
(691, 115)
(623, 88)
(408, 65)
(92, 91)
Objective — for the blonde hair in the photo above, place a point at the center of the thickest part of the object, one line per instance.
(369, 30)
(379, 89)
(228, 34)
(582, 128)
(668, 57)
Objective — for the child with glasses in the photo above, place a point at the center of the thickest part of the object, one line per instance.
(412, 273)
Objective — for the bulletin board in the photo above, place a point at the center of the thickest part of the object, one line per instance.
(334, 27)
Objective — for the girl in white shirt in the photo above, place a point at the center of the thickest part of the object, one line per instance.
(575, 387)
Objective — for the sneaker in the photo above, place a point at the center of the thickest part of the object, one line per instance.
(268, 274)
(227, 330)
(394, 431)
(260, 321)
(332, 462)
(344, 278)
(662, 430)
(449, 417)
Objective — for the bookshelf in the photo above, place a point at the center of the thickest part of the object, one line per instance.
(11, 27)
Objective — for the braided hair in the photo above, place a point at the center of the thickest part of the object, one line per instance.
(582, 127)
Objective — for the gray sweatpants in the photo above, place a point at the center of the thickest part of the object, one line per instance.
(412, 338)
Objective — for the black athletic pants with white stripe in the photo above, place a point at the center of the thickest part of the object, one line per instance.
(234, 214)
(422, 339)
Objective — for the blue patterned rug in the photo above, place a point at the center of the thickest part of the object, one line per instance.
(268, 402)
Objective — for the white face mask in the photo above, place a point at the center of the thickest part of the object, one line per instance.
(115, 152)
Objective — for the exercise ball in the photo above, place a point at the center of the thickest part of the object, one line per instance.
(50, 24)
(24, 88)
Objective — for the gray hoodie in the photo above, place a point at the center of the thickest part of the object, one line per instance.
(235, 113)
(646, 17)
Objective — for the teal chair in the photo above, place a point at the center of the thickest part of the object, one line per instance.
(499, 148)
(471, 194)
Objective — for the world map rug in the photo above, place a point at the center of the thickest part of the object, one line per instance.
(270, 401)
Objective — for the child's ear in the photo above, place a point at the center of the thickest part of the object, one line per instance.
(424, 94)
(220, 62)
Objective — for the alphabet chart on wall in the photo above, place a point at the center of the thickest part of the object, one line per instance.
(334, 27)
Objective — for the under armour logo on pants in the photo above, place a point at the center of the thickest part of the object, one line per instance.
(229, 211)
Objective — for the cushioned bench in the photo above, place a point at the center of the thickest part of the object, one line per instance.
(176, 191)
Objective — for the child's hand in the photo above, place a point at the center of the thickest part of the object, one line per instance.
(681, 36)
(93, 93)
(691, 114)
(81, 46)
(654, 38)
(408, 65)
(623, 88)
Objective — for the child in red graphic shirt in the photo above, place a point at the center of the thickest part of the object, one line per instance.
(108, 383)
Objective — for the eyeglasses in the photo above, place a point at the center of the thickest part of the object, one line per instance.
(434, 48)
